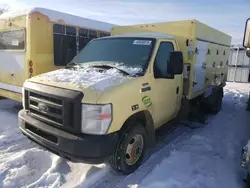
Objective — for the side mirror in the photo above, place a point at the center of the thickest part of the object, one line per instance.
(246, 39)
(175, 64)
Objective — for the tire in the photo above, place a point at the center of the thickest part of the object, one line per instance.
(133, 142)
(216, 107)
(215, 102)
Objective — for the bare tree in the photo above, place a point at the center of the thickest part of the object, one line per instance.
(3, 8)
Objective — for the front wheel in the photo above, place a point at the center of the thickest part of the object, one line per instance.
(130, 149)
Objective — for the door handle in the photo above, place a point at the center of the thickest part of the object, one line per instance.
(177, 90)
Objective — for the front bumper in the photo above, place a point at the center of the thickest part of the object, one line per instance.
(93, 149)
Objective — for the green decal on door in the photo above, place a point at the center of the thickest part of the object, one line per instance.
(146, 101)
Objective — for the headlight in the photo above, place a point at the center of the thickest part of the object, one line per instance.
(23, 97)
(96, 119)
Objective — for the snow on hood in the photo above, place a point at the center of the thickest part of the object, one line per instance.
(87, 78)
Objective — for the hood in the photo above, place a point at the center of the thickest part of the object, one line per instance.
(91, 82)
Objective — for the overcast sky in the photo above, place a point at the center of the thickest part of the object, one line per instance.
(226, 15)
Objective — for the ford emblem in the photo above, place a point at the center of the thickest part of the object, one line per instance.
(43, 107)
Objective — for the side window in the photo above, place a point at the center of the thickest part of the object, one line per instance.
(58, 31)
(92, 34)
(161, 60)
(71, 31)
(83, 38)
(69, 44)
(12, 40)
(104, 35)
(64, 44)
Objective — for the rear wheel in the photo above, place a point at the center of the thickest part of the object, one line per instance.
(213, 103)
(216, 106)
(130, 149)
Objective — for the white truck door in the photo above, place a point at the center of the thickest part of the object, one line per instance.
(200, 66)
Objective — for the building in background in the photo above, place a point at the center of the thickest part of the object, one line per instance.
(239, 65)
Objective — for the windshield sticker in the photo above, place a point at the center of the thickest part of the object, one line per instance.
(142, 42)
(14, 42)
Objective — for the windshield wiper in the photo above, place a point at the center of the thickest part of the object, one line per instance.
(72, 63)
(110, 67)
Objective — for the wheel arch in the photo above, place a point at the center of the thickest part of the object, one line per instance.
(146, 120)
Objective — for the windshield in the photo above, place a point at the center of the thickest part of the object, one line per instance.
(118, 52)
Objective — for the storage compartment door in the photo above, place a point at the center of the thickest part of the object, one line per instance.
(200, 66)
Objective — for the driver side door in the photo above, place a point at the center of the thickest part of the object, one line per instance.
(166, 88)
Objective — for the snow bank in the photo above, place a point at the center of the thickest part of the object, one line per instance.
(56, 16)
(26, 167)
(87, 78)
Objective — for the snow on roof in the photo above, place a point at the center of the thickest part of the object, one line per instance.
(55, 16)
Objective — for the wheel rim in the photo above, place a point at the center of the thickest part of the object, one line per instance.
(134, 149)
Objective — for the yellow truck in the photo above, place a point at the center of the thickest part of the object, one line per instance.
(38, 40)
(121, 88)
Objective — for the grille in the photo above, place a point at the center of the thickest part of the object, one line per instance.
(57, 107)
(46, 109)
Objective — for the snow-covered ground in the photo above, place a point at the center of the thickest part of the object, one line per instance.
(204, 157)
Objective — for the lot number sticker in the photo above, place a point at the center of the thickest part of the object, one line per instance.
(142, 42)
(14, 43)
